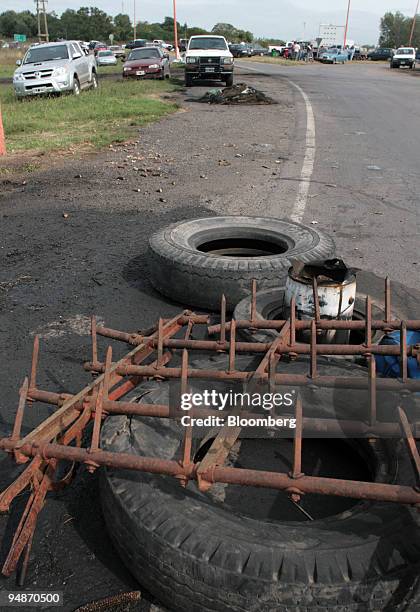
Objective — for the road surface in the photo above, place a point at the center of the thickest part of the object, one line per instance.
(365, 183)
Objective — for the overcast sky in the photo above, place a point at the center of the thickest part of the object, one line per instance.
(276, 18)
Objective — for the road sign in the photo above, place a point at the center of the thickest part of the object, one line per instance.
(19, 38)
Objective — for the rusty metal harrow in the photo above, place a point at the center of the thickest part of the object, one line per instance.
(60, 436)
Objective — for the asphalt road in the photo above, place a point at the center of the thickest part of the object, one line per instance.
(366, 180)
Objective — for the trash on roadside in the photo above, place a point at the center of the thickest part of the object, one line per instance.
(241, 93)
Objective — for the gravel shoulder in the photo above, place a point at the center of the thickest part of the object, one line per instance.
(74, 236)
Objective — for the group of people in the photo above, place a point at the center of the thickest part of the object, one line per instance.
(299, 52)
(305, 52)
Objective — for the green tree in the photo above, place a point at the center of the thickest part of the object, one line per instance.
(394, 30)
(123, 29)
(231, 33)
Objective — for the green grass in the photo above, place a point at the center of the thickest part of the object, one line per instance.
(118, 69)
(268, 59)
(94, 119)
(6, 71)
(8, 59)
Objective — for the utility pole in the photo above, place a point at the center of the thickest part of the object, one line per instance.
(175, 33)
(44, 10)
(347, 25)
(41, 16)
(413, 26)
(134, 21)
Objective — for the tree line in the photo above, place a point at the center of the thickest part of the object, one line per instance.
(90, 23)
(395, 31)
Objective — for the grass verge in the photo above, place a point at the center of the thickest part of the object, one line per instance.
(93, 120)
(8, 59)
(279, 61)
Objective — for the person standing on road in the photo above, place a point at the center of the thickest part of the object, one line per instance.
(310, 53)
(296, 51)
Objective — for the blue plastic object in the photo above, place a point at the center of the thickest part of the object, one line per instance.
(389, 366)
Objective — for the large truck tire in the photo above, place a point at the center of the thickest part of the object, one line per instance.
(195, 262)
(195, 553)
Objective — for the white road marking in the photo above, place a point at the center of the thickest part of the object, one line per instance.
(308, 160)
(309, 157)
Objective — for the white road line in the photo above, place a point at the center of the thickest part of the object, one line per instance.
(308, 160)
(309, 157)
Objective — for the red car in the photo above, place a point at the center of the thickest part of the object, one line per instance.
(147, 63)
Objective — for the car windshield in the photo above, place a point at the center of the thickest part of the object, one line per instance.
(143, 54)
(46, 54)
(208, 43)
(105, 53)
(405, 51)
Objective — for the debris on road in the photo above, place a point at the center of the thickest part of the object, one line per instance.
(241, 93)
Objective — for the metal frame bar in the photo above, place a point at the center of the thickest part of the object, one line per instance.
(49, 443)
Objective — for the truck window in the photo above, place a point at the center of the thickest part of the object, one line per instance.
(46, 54)
(208, 44)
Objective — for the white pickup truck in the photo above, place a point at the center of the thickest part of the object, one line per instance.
(404, 56)
(55, 68)
(208, 58)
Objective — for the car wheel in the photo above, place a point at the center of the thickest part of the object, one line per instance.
(229, 80)
(194, 262)
(76, 87)
(94, 81)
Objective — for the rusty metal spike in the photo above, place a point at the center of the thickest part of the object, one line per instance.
(232, 346)
(160, 343)
(403, 348)
(107, 374)
(316, 299)
(292, 321)
(223, 319)
(372, 390)
(368, 330)
(23, 394)
(34, 364)
(94, 339)
(297, 442)
(98, 419)
(253, 300)
(387, 300)
(313, 350)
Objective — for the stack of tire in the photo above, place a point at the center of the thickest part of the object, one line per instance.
(189, 549)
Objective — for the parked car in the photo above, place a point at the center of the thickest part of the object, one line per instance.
(55, 68)
(334, 56)
(359, 54)
(136, 44)
(117, 51)
(239, 50)
(183, 44)
(147, 63)
(259, 50)
(106, 58)
(404, 56)
(381, 54)
(99, 46)
(208, 57)
(163, 44)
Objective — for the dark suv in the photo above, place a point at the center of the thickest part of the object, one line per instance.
(136, 44)
(381, 55)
